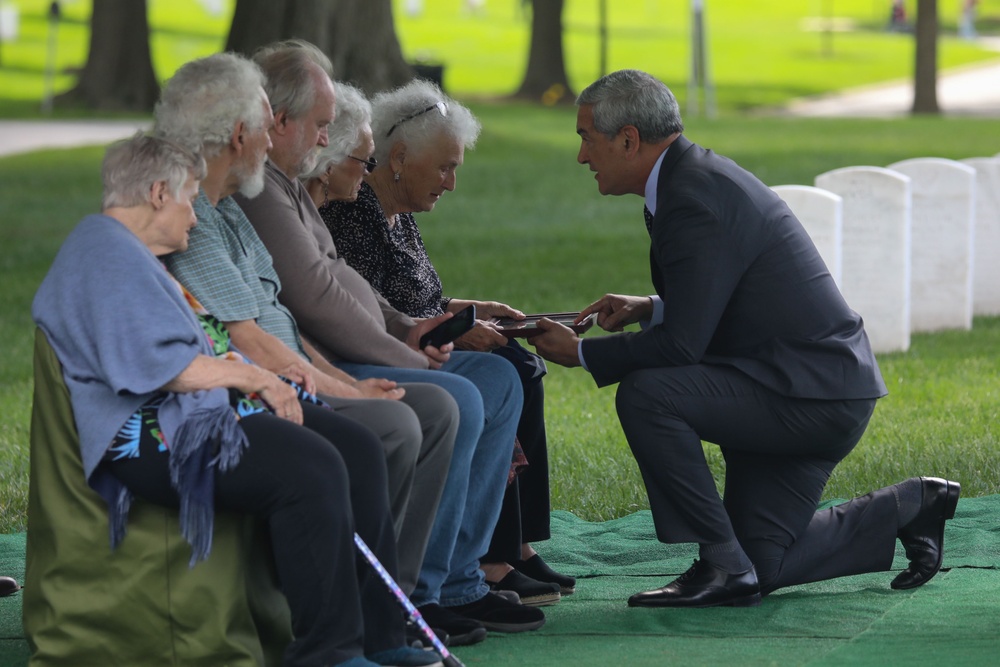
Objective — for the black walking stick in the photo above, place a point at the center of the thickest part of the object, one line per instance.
(411, 612)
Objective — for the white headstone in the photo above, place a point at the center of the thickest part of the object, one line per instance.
(875, 252)
(9, 23)
(821, 213)
(941, 242)
(986, 252)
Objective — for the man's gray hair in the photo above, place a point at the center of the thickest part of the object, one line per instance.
(205, 99)
(291, 82)
(354, 113)
(131, 167)
(409, 113)
(632, 97)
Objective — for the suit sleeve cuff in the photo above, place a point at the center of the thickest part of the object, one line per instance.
(657, 317)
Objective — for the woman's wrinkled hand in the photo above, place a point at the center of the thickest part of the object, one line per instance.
(280, 396)
(301, 374)
(487, 309)
(483, 337)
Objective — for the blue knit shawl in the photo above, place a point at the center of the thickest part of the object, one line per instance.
(122, 329)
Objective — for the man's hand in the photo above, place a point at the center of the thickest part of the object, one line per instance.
(436, 357)
(483, 337)
(615, 311)
(557, 343)
(379, 388)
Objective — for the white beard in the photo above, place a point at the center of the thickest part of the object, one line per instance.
(252, 184)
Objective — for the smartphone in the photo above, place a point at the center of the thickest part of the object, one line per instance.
(450, 329)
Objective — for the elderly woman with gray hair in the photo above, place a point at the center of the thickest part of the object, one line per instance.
(415, 143)
(168, 411)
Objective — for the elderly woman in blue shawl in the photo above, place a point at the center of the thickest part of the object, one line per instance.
(168, 411)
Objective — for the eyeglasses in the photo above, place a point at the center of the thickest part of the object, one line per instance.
(440, 106)
(370, 163)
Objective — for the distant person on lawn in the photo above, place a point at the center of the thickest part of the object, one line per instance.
(747, 344)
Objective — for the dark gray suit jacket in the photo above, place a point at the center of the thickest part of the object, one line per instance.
(742, 286)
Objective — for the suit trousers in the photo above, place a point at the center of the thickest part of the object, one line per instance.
(779, 452)
(418, 436)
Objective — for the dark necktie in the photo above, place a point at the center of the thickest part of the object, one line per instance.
(649, 220)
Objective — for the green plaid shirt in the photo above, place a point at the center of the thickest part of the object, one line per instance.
(228, 269)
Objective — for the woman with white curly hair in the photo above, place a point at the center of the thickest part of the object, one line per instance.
(384, 163)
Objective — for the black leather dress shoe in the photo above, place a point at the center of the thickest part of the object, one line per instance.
(8, 586)
(704, 585)
(923, 537)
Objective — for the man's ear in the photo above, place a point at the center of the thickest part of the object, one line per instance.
(631, 140)
(281, 121)
(238, 139)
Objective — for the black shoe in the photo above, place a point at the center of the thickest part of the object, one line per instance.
(704, 585)
(923, 537)
(496, 613)
(461, 631)
(8, 586)
(528, 591)
(415, 638)
(538, 569)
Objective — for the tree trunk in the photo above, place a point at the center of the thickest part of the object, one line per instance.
(925, 72)
(119, 71)
(366, 51)
(545, 77)
(359, 36)
(259, 22)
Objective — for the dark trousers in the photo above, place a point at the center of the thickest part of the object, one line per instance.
(524, 514)
(779, 454)
(312, 487)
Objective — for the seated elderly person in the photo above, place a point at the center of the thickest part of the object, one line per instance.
(217, 105)
(355, 328)
(160, 397)
(422, 136)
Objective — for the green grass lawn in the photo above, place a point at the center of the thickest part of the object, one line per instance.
(761, 53)
(521, 200)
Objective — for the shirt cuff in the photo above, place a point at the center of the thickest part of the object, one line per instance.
(579, 354)
(657, 316)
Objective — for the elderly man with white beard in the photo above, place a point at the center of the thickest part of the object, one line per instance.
(217, 105)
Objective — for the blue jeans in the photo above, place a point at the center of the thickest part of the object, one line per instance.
(488, 392)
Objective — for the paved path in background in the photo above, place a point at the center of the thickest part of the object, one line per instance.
(22, 136)
(973, 90)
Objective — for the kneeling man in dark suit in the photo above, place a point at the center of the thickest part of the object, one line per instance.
(747, 344)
